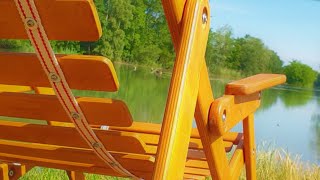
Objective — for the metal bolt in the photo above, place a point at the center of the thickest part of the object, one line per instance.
(224, 116)
(31, 23)
(54, 77)
(96, 145)
(104, 128)
(75, 116)
(204, 17)
(11, 173)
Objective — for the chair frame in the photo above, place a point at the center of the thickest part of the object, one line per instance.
(190, 96)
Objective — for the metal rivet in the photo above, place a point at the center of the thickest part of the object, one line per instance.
(104, 128)
(54, 77)
(31, 23)
(96, 145)
(204, 17)
(224, 116)
(75, 116)
(11, 173)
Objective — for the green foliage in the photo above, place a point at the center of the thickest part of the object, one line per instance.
(299, 74)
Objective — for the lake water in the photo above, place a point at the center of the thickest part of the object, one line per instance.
(287, 118)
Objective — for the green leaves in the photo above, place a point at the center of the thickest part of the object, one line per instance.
(299, 74)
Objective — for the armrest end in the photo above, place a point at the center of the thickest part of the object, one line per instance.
(254, 84)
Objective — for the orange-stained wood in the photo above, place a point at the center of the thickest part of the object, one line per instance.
(98, 111)
(249, 147)
(237, 161)
(82, 72)
(66, 136)
(229, 110)
(10, 88)
(63, 20)
(140, 127)
(254, 84)
(193, 177)
(181, 102)
(4, 171)
(15, 171)
(75, 175)
(114, 140)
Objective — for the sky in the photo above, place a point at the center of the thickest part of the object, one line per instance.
(289, 27)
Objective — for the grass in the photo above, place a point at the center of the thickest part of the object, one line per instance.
(271, 165)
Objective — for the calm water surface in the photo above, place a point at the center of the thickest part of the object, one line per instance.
(287, 118)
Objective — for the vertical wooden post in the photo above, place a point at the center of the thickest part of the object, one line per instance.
(75, 175)
(4, 172)
(213, 146)
(249, 147)
(181, 103)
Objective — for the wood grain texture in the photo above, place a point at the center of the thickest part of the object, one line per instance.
(82, 72)
(237, 162)
(63, 20)
(249, 147)
(47, 107)
(181, 102)
(234, 109)
(254, 84)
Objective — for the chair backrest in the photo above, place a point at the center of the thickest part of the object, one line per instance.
(61, 146)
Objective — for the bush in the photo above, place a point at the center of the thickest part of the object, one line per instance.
(299, 74)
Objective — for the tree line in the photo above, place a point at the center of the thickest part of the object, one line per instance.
(136, 31)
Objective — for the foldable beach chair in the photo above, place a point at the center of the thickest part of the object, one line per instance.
(98, 135)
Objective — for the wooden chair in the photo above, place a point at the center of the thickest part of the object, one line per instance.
(58, 134)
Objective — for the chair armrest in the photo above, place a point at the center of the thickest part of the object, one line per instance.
(254, 84)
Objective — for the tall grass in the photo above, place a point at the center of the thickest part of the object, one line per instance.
(281, 165)
(271, 165)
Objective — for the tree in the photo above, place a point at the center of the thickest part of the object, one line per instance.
(299, 74)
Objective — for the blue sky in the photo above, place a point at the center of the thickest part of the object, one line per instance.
(289, 27)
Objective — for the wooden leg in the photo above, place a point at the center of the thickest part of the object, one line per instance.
(75, 175)
(249, 147)
(4, 171)
(10, 171)
(213, 146)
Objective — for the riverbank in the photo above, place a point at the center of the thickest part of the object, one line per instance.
(271, 165)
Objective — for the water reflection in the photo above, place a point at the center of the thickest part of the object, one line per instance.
(315, 129)
(296, 97)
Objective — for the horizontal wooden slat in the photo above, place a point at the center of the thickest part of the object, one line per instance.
(98, 111)
(140, 127)
(254, 84)
(82, 72)
(66, 136)
(124, 142)
(44, 155)
(63, 20)
(10, 88)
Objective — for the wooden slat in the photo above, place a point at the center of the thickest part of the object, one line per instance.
(140, 127)
(61, 156)
(124, 142)
(67, 136)
(82, 72)
(254, 84)
(193, 177)
(46, 107)
(10, 88)
(63, 20)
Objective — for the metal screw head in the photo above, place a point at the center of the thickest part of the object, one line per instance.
(75, 116)
(11, 173)
(224, 116)
(204, 17)
(96, 145)
(31, 23)
(54, 77)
